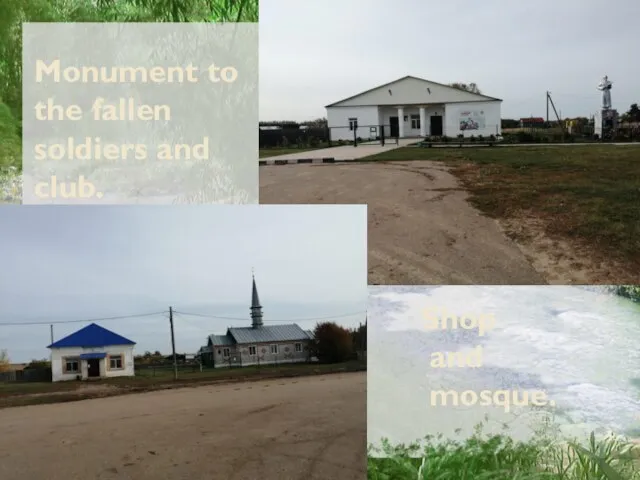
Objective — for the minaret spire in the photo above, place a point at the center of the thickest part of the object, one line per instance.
(256, 308)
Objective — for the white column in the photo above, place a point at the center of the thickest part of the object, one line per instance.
(423, 122)
(401, 122)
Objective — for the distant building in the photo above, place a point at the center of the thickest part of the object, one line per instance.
(532, 122)
(257, 344)
(91, 352)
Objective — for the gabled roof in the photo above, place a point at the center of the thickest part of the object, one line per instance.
(91, 336)
(271, 333)
(217, 340)
(479, 97)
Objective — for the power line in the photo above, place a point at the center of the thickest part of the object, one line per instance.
(164, 314)
(49, 322)
(280, 320)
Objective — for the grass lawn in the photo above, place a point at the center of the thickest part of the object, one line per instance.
(484, 457)
(10, 185)
(586, 193)
(29, 393)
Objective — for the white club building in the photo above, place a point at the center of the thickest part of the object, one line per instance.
(414, 107)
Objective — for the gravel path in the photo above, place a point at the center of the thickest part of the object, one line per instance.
(422, 230)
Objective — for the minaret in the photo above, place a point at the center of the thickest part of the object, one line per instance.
(256, 308)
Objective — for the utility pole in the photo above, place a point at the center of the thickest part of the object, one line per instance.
(547, 107)
(51, 352)
(559, 117)
(173, 345)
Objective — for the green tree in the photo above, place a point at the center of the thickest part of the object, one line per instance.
(318, 122)
(332, 343)
(184, 10)
(10, 141)
(39, 363)
(633, 115)
(13, 13)
(467, 87)
(280, 123)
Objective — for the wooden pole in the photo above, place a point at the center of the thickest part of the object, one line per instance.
(547, 108)
(51, 352)
(173, 345)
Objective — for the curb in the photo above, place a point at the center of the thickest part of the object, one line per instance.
(264, 163)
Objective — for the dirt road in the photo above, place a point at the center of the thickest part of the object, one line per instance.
(301, 429)
(421, 228)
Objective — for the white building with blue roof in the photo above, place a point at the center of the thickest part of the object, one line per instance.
(90, 353)
(257, 344)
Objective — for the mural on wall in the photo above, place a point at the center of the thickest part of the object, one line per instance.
(472, 120)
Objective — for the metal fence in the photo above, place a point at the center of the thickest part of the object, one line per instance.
(8, 376)
(273, 137)
(575, 133)
(349, 134)
(26, 375)
(386, 134)
(164, 369)
(280, 137)
(362, 134)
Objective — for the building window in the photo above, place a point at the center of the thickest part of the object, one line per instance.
(298, 347)
(252, 350)
(71, 365)
(353, 124)
(274, 349)
(225, 352)
(415, 122)
(115, 363)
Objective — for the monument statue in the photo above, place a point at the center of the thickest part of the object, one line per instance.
(605, 87)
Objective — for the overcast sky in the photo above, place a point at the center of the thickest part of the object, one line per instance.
(62, 263)
(316, 53)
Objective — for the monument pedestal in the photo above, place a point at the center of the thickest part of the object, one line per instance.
(605, 123)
